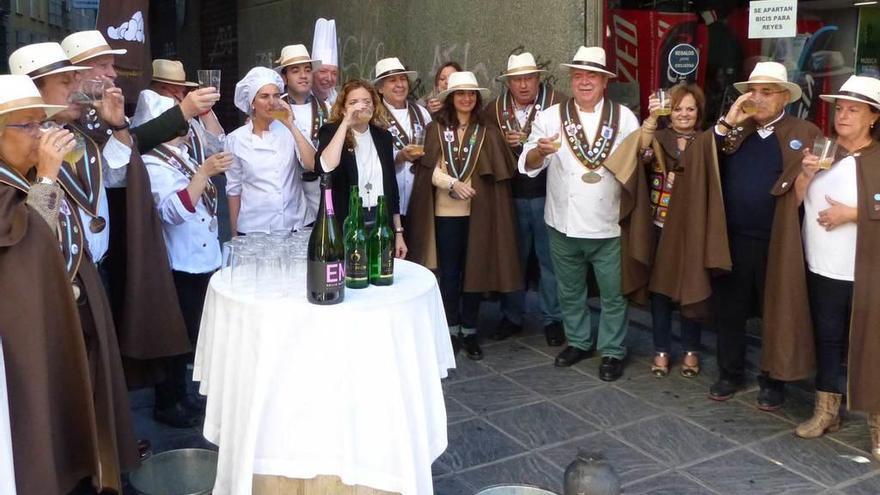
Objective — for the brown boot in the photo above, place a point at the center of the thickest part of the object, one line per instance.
(874, 425)
(826, 417)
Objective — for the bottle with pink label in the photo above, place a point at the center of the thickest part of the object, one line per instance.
(325, 278)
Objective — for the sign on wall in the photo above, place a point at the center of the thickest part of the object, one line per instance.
(773, 19)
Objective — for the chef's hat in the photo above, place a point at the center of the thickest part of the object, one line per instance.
(247, 88)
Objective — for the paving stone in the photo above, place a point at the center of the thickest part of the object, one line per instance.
(540, 424)
(490, 394)
(672, 440)
(747, 473)
(630, 464)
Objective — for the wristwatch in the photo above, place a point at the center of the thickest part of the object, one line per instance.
(398, 230)
(45, 180)
(125, 124)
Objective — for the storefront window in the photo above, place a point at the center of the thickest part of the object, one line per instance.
(654, 44)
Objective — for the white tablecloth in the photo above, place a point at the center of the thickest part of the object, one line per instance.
(7, 469)
(353, 389)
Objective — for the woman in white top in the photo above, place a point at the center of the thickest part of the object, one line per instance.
(841, 231)
(265, 192)
(356, 150)
(405, 120)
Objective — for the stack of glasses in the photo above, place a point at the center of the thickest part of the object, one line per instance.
(267, 265)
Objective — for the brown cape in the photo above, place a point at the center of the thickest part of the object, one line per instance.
(695, 244)
(787, 345)
(492, 258)
(145, 307)
(863, 391)
(68, 404)
(636, 225)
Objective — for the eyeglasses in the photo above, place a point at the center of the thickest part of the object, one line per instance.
(30, 127)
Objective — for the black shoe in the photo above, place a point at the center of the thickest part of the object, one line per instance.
(611, 369)
(723, 389)
(471, 346)
(505, 329)
(145, 448)
(571, 355)
(177, 416)
(456, 344)
(555, 334)
(770, 398)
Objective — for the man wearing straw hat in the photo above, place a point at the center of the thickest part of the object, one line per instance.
(89, 49)
(169, 80)
(524, 96)
(297, 69)
(407, 123)
(741, 222)
(573, 140)
(147, 316)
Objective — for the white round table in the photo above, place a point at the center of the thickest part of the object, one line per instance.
(353, 389)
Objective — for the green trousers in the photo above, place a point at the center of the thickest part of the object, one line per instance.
(571, 258)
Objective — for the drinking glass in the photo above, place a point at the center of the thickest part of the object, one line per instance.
(749, 107)
(79, 149)
(665, 102)
(826, 149)
(209, 78)
(418, 139)
(244, 269)
(90, 92)
(278, 112)
(269, 273)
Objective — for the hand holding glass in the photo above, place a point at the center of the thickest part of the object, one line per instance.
(209, 78)
(826, 149)
(665, 102)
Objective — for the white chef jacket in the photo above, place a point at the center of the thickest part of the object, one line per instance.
(264, 175)
(573, 207)
(191, 245)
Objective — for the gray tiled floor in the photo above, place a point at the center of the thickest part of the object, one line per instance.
(515, 418)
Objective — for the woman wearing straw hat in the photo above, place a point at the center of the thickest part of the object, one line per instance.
(513, 112)
(405, 120)
(69, 410)
(841, 230)
(462, 219)
(309, 114)
(265, 192)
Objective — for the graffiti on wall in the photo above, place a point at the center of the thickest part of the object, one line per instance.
(225, 44)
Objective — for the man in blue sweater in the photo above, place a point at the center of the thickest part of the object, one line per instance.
(759, 149)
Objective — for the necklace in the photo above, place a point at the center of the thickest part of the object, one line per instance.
(371, 163)
(858, 150)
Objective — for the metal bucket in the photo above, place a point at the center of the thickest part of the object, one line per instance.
(514, 490)
(176, 472)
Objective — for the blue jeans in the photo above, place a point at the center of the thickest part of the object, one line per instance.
(532, 234)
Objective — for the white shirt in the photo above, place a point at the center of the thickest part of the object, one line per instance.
(302, 119)
(115, 167)
(192, 247)
(404, 174)
(264, 176)
(369, 168)
(832, 253)
(573, 207)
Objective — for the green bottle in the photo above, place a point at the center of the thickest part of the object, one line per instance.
(357, 274)
(350, 220)
(381, 248)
